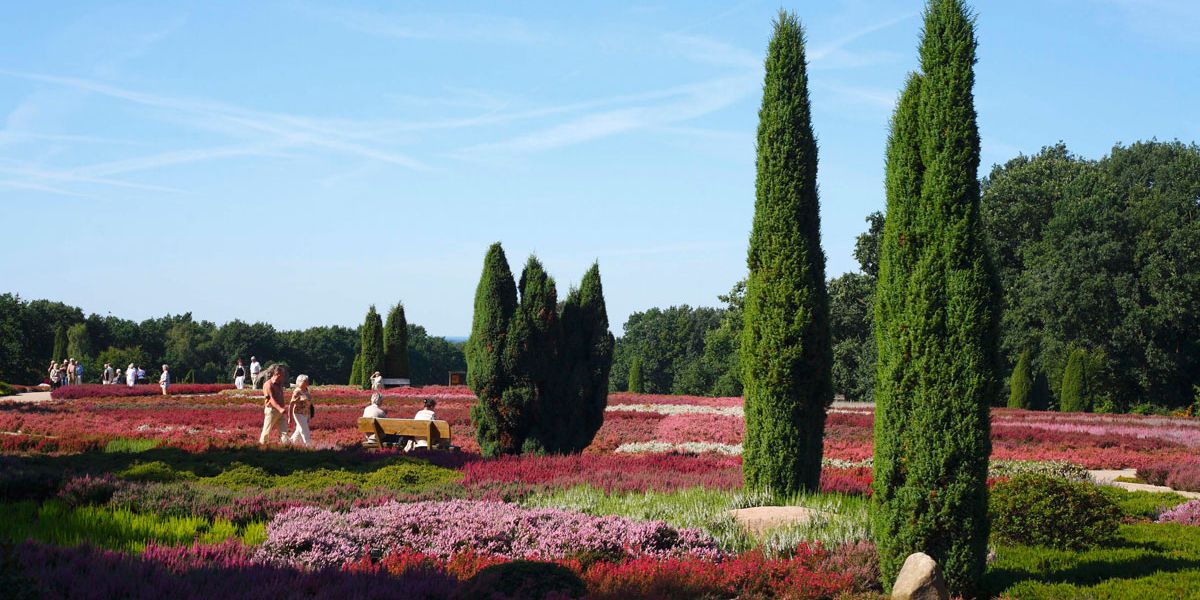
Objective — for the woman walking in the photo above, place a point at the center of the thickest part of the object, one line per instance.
(164, 380)
(300, 408)
(130, 375)
(239, 375)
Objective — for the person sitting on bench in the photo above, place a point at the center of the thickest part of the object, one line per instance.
(425, 414)
(374, 411)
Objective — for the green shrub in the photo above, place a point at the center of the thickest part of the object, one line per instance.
(156, 471)
(522, 579)
(1039, 510)
(6, 390)
(239, 476)
(410, 476)
(1141, 505)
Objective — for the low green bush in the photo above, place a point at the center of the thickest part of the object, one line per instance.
(116, 529)
(522, 579)
(1038, 510)
(6, 390)
(130, 445)
(156, 471)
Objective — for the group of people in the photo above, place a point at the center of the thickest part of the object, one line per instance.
(69, 372)
(239, 374)
(295, 410)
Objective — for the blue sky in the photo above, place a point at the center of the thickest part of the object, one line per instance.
(295, 162)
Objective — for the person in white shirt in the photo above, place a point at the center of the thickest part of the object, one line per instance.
(299, 411)
(376, 381)
(425, 414)
(131, 375)
(375, 411)
(164, 380)
(255, 369)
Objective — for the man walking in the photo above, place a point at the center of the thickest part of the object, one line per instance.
(273, 403)
(255, 370)
(107, 378)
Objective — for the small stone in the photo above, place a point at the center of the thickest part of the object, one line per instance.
(759, 520)
(920, 579)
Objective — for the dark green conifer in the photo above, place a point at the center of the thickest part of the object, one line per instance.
(532, 360)
(1074, 395)
(586, 361)
(1020, 385)
(395, 344)
(935, 320)
(495, 305)
(786, 356)
(356, 376)
(372, 345)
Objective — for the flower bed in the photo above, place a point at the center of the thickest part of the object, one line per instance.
(93, 390)
(315, 537)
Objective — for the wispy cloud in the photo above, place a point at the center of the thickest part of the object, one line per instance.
(713, 52)
(282, 129)
(682, 103)
(450, 27)
(836, 55)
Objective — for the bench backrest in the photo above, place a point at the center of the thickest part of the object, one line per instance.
(434, 431)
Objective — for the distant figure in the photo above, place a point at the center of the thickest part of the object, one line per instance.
(273, 405)
(376, 381)
(79, 372)
(164, 380)
(55, 376)
(118, 376)
(108, 377)
(239, 375)
(70, 371)
(425, 414)
(299, 410)
(131, 375)
(255, 370)
(141, 374)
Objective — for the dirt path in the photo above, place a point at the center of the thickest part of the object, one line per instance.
(29, 397)
(1109, 477)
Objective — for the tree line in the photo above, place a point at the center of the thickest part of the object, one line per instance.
(32, 333)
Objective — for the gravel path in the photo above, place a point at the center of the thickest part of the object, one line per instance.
(1109, 477)
(29, 397)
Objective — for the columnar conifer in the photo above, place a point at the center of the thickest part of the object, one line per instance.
(541, 376)
(1020, 385)
(935, 320)
(60, 344)
(372, 345)
(635, 375)
(395, 344)
(785, 349)
(356, 376)
(586, 361)
(1074, 396)
(495, 304)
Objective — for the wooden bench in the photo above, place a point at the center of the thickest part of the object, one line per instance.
(437, 433)
(394, 382)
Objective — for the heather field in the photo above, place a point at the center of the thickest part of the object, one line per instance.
(135, 495)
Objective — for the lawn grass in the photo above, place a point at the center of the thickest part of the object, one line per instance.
(115, 529)
(708, 509)
(1148, 560)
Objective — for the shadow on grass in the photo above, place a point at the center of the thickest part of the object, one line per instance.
(1127, 560)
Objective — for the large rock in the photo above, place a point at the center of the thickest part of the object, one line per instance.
(762, 519)
(920, 579)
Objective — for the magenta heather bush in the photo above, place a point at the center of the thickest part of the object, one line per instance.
(95, 390)
(318, 538)
(1184, 477)
(225, 571)
(86, 490)
(1187, 513)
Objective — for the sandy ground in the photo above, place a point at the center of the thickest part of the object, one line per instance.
(29, 397)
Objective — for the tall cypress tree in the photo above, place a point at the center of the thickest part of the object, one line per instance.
(356, 376)
(1074, 397)
(372, 345)
(395, 344)
(635, 375)
(532, 356)
(935, 320)
(60, 344)
(495, 305)
(785, 353)
(586, 362)
(1020, 385)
